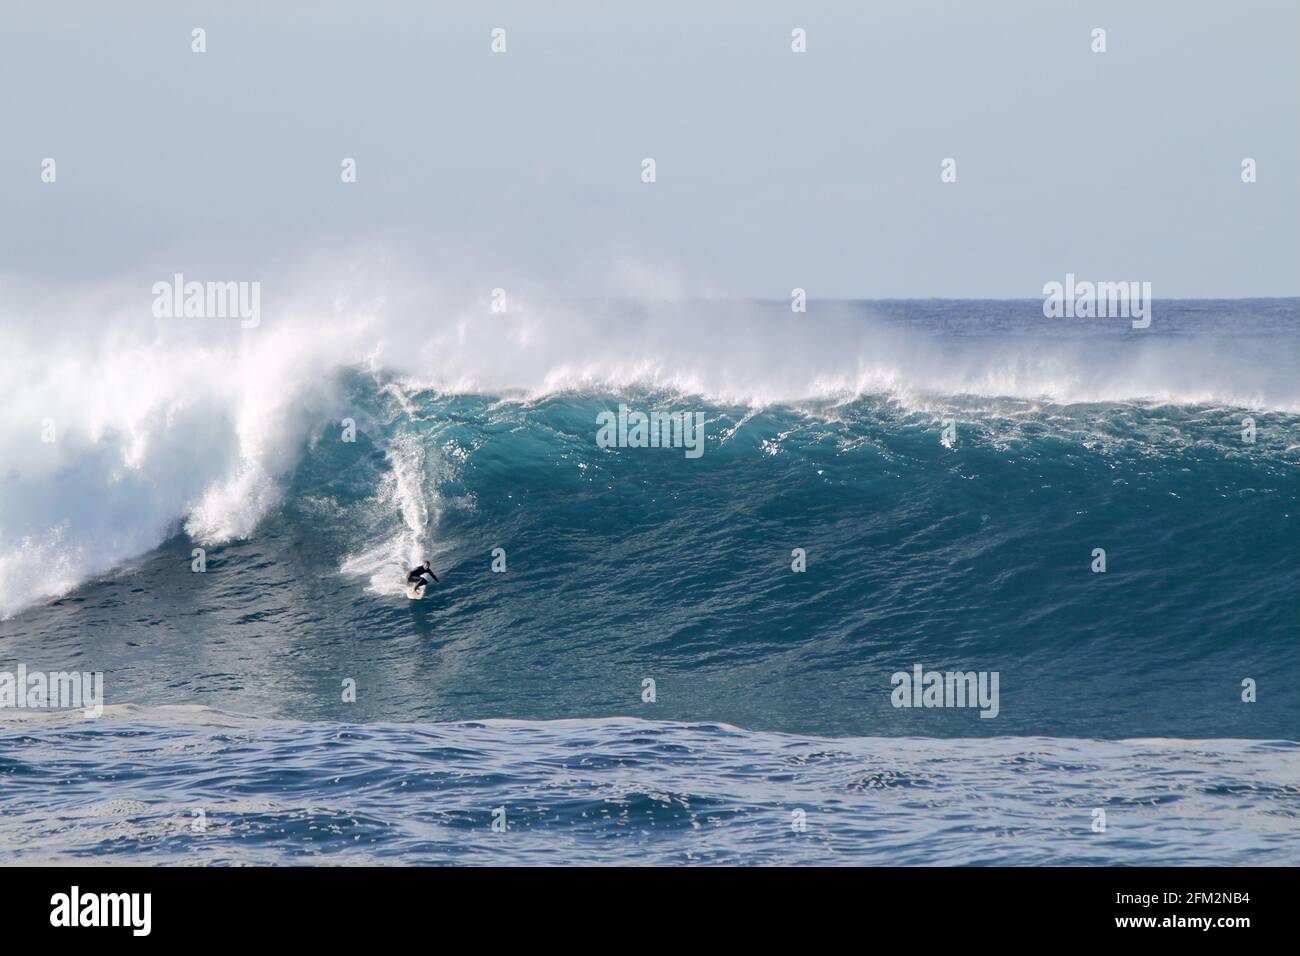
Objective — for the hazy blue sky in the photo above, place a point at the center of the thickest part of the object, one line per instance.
(775, 169)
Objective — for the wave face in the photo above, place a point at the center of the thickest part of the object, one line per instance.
(626, 791)
(825, 432)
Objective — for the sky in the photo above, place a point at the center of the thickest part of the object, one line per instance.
(774, 169)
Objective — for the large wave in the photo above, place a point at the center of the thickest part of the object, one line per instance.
(117, 428)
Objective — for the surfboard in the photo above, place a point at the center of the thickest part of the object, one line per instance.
(415, 595)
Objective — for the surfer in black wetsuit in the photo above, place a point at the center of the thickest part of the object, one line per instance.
(417, 577)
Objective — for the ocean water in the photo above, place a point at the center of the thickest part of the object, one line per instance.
(947, 467)
(190, 785)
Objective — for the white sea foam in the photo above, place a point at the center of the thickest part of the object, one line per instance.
(407, 506)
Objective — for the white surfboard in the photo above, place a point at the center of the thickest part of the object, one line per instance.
(415, 595)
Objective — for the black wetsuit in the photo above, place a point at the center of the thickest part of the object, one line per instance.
(416, 577)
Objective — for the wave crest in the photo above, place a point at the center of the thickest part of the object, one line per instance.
(161, 424)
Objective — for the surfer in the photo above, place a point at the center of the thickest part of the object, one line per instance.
(419, 577)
